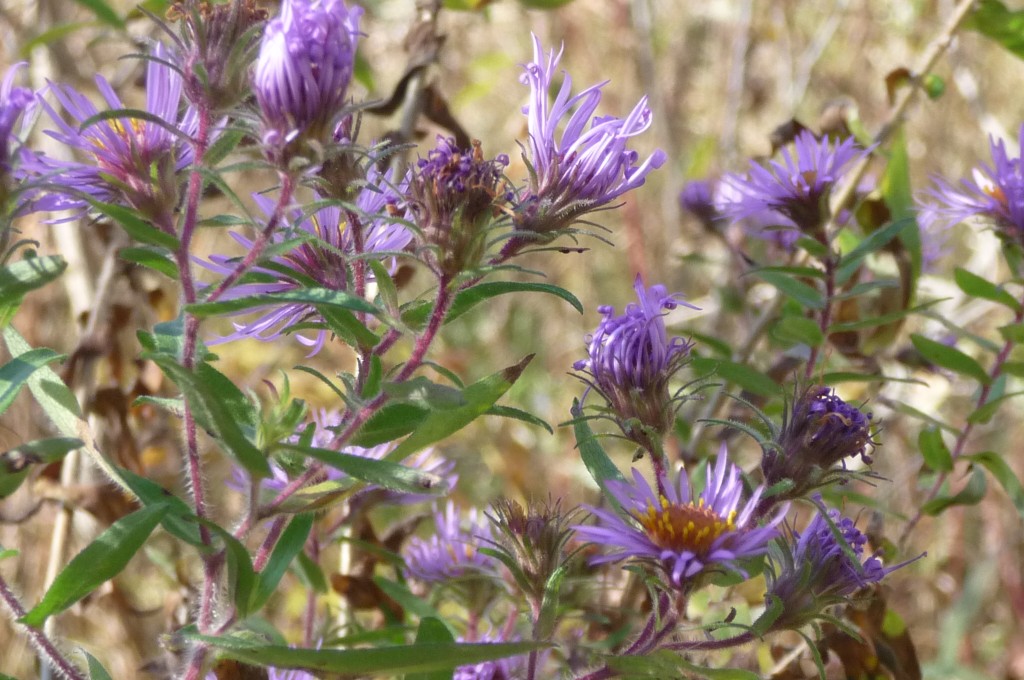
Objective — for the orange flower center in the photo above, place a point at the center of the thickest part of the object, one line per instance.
(685, 527)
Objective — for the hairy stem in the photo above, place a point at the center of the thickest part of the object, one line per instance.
(43, 644)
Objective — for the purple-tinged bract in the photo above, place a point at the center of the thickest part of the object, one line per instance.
(994, 193)
(130, 160)
(684, 535)
(819, 431)
(815, 570)
(798, 188)
(586, 167)
(631, 360)
(303, 71)
(453, 551)
(324, 260)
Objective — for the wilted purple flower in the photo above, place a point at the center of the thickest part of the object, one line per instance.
(819, 431)
(303, 70)
(631, 360)
(584, 169)
(994, 193)
(131, 161)
(324, 260)
(798, 189)
(453, 551)
(13, 102)
(683, 535)
(453, 196)
(816, 570)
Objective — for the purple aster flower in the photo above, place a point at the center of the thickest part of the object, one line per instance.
(453, 551)
(130, 161)
(303, 70)
(994, 193)
(819, 431)
(13, 102)
(821, 567)
(585, 168)
(324, 260)
(453, 197)
(685, 536)
(631, 360)
(798, 189)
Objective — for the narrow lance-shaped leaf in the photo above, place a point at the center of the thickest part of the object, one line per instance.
(100, 561)
(16, 372)
(292, 540)
(479, 396)
(950, 358)
(26, 275)
(432, 631)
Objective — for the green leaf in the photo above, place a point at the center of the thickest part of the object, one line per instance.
(151, 258)
(100, 561)
(1004, 474)
(985, 412)
(936, 455)
(971, 494)
(383, 473)
(241, 577)
(220, 407)
(949, 358)
(347, 327)
(96, 669)
(519, 414)
(290, 544)
(61, 407)
(470, 297)
(480, 396)
(16, 372)
(138, 228)
(415, 658)
(798, 330)
(1013, 332)
(26, 275)
(976, 286)
(432, 631)
(934, 86)
(899, 197)
(992, 19)
(401, 594)
(597, 462)
(426, 394)
(309, 296)
(103, 12)
(179, 521)
(872, 243)
(388, 424)
(747, 377)
(795, 289)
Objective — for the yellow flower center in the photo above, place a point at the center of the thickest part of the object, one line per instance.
(685, 527)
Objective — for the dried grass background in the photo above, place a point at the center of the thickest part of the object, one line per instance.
(721, 74)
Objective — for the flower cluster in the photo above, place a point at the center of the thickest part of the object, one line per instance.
(683, 534)
(303, 71)
(631, 361)
(132, 161)
(796, 190)
(585, 168)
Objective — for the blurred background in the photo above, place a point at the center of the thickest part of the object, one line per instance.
(721, 76)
